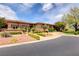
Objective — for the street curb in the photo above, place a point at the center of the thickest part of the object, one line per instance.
(17, 44)
(72, 35)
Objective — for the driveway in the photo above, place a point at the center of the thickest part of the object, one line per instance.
(62, 46)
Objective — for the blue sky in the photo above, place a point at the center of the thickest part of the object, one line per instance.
(35, 12)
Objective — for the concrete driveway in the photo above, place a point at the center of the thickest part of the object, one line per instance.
(62, 46)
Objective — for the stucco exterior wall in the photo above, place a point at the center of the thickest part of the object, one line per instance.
(38, 26)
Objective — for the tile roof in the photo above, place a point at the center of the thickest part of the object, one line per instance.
(19, 21)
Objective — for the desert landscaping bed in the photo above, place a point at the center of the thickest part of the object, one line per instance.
(15, 39)
(26, 38)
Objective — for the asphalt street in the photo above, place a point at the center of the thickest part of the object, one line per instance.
(62, 46)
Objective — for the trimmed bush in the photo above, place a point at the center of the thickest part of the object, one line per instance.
(5, 34)
(15, 33)
(34, 36)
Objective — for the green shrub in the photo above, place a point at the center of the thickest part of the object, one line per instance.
(41, 34)
(34, 36)
(51, 29)
(14, 33)
(69, 32)
(76, 33)
(37, 32)
(5, 34)
(72, 32)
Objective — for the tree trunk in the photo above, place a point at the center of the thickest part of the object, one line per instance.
(76, 26)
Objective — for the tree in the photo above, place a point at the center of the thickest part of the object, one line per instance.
(2, 23)
(59, 26)
(72, 18)
(51, 29)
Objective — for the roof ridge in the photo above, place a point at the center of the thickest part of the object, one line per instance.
(27, 22)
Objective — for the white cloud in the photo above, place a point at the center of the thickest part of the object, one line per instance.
(28, 4)
(25, 7)
(47, 6)
(53, 18)
(59, 16)
(7, 12)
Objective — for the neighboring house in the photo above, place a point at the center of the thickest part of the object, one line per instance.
(14, 24)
